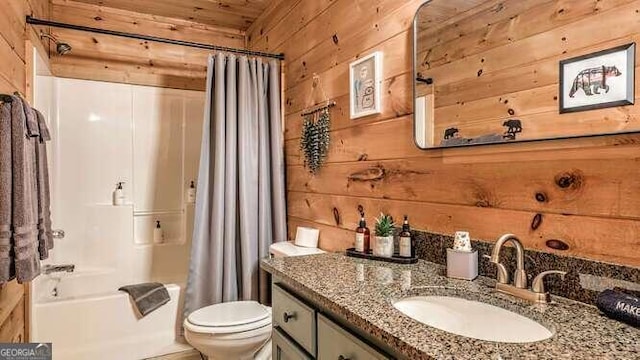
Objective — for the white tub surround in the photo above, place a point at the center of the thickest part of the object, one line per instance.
(105, 326)
(105, 133)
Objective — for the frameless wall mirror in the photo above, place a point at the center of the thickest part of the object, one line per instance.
(491, 72)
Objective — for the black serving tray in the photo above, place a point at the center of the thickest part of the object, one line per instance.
(394, 259)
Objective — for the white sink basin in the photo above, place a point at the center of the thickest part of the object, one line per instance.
(472, 319)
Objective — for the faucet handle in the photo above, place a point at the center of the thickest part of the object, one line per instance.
(503, 275)
(537, 285)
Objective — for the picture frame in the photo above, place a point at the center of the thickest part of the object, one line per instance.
(365, 81)
(598, 80)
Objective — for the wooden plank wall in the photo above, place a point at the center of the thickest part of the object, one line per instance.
(117, 59)
(15, 64)
(585, 192)
(236, 14)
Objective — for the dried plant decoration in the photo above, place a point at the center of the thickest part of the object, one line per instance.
(315, 138)
(314, 141)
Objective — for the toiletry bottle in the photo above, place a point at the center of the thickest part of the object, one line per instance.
(406, 247)
(118, 195)
(191, 193)
(158, 234)
(362, 236)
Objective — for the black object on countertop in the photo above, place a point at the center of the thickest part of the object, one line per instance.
(394, 259)
(620, 306)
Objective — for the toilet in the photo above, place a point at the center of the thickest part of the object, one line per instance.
(237, 329)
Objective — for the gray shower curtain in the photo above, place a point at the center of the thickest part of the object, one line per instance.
(240, 201)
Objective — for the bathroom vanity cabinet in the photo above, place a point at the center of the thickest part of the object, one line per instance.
(331, 306)
(302, 331)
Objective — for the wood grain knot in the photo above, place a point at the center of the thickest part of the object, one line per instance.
(483, 197)
(370, 174)
(557, 244)
(541, 197)
(570, 180)
(336, 216)
(536, 222)
(363, 157)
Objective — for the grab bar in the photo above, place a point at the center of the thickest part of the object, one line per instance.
(48, 269)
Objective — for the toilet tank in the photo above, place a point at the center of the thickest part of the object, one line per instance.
(277, 250)
(287, 248)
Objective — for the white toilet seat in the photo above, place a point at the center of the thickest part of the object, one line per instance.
(229, 318)
(239, 329)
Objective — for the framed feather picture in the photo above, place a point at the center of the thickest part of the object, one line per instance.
(598, 80)
(365, 79)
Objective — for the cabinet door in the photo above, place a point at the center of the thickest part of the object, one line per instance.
(285, 349)
(295, 318)
(335, 343)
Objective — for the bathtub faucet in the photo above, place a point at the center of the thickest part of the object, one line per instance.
(49, 269)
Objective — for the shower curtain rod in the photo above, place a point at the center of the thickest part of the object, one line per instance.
(35, 21)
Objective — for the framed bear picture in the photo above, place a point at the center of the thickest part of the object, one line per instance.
(598, 80)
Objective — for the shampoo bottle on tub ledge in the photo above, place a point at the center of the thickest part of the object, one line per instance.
(118, 194)
(158, 234)
(191, 193)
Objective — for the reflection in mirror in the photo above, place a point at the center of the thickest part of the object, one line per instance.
(492, 72)
(430, 17)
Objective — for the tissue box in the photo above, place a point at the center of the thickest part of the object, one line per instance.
(462, 264)
(307, 237)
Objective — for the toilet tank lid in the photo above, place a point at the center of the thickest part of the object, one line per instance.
(288, 248)
(232, 313)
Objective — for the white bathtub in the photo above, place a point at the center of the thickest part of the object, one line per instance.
(103, 326)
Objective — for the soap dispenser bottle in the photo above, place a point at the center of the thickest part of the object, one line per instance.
(118, 194)
(363, 236)
(191, 193)
(405, 243)
(158, 234)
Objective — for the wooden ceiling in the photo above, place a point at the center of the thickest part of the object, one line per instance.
(235, 14)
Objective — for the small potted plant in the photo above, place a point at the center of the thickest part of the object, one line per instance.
(384, 236)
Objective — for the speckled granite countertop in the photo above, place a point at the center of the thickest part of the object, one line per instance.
(362, 293)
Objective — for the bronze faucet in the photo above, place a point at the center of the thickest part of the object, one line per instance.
(519, 288)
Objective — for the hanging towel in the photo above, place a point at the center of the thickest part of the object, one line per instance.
(25, 217)
(24, 191)
(147, 297)
(6, 270)
(31, 121)
(45, 235)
